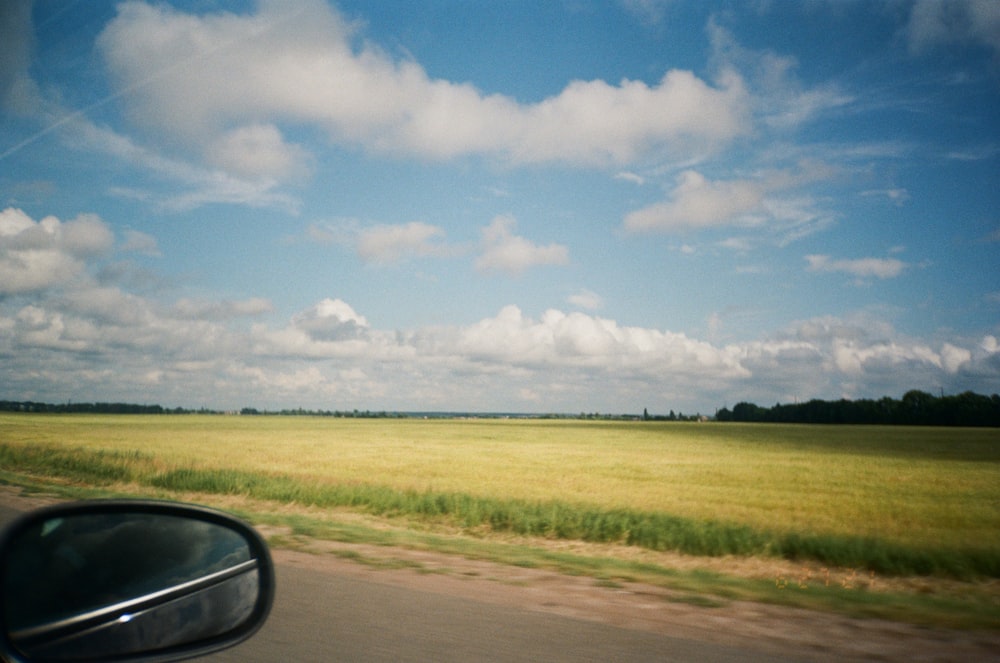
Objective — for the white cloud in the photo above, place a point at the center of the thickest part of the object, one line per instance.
(39, 329)
(196, 77)
(862, 268)
(852, 359)
(586, 299)
(331, 320)
(201, 185)
(697, 202)
(110, 344)
(857, 357)
(257, 151)
(768, 201)
(84, 236)
(626, 176)
(990, 345)
(954, 358)
(254, 154)
(579, 340)
(506, 252)
(39, 255)
(384, 244)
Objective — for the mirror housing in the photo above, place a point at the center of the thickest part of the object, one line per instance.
(129, 580)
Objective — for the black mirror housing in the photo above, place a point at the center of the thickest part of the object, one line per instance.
(129, 581)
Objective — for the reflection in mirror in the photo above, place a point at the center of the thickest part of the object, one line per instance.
(94, 585)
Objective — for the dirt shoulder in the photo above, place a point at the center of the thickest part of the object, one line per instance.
(804, 634)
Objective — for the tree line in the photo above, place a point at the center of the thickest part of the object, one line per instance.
(94, 408)
(915, 408)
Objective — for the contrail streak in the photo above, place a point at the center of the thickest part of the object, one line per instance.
(135, 86)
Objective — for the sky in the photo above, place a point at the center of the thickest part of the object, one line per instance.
(562, 206)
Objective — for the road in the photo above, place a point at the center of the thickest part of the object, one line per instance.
(325, 617)
(320, 615)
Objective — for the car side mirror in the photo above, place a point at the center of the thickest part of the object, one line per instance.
(129, 581)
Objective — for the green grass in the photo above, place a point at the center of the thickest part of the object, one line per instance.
(557, 520)
(897, 501)
(907, 485)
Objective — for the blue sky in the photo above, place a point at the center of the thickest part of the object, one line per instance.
(521, 206)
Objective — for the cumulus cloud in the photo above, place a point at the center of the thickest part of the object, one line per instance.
(200, 78)
(861, 268)
(331, 320)
(38, 255)
(577, 339)
(859, 357)
(506, 252)
(103, 343)
(853, 359)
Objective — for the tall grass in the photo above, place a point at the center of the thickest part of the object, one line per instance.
(99, 467)
(896, 501)
(551, 519)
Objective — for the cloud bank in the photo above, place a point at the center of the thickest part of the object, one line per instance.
(64, 335)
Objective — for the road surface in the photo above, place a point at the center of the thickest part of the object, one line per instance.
(325, 617)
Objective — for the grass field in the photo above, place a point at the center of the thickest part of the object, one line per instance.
(896, 501)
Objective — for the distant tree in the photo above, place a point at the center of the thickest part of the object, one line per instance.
(916, 408)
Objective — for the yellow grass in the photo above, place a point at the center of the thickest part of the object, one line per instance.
(912, 486)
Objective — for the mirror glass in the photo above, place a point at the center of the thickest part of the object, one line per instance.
(94, 585)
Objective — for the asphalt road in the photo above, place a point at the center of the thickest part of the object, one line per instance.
(324, 616)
